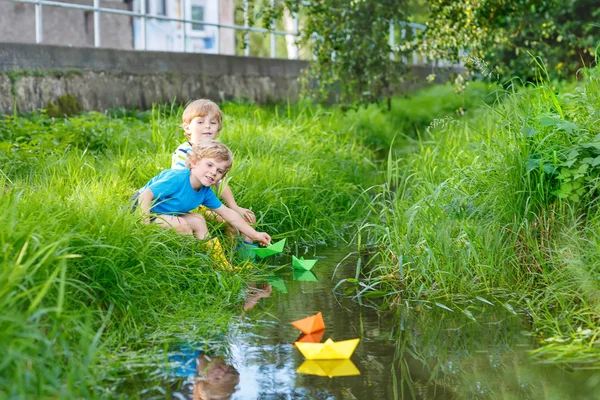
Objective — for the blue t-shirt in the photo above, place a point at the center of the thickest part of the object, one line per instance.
(173, 193)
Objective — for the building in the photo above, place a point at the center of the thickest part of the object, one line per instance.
(75, 27)
(196, 37)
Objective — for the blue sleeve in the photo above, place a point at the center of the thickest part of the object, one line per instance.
(211, 200)
(165, 184)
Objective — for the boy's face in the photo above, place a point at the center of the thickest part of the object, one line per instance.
(209, 171)
(202, 128)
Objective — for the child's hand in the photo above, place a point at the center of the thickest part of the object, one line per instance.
(263, 238)
(248, 215)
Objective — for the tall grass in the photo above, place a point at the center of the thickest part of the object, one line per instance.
(502, 203)
(85, 289)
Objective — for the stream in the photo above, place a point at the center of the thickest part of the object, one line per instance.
(421, 351)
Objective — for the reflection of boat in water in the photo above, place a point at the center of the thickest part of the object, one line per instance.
(330, 368)
(304, 276)
(314, 337)
(302, 264)
(311, 324)
(329, 350)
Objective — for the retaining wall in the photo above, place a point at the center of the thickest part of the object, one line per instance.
(33, 75)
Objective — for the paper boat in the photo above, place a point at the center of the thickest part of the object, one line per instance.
(329, 350)
(330, 368)
(301, 263)
(311, 324)
(270, 250)
(314, 337)
(304, 276)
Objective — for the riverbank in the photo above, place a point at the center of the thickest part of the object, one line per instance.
(473, 205)
(82, 282)
(499, 206)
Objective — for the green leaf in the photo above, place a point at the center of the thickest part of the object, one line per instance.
(375, 294)
(532, 163)
(528, 131)
(484, 300)
(440, 305)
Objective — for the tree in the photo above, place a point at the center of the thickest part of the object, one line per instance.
(500, 36)
(349, 40)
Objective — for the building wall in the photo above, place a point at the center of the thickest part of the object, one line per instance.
(227, 36)
(65, 27)
(168, 35)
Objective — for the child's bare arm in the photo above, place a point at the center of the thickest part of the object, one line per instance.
(229, 200)
(145, 202)
(236, 220)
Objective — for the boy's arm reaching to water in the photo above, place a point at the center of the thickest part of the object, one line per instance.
(238, 222)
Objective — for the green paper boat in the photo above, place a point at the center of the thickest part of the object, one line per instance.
(270, 250)
(304, 276)
(301, 263)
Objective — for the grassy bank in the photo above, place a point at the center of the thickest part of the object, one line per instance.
(486, 198)
(500, 205)
(86, 291)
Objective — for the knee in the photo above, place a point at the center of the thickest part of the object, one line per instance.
(185, 229)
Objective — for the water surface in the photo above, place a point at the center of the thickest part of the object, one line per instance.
(419, 351)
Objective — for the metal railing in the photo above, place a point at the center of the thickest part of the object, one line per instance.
(143, 15)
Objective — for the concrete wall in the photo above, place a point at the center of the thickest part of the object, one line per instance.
(33, 75)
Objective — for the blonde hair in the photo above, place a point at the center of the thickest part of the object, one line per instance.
(210, 149)
(201, 108)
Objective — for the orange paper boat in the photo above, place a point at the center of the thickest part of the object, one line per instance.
(310, 324)
(315, 337)
(329, 350)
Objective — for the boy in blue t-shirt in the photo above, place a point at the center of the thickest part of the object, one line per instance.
(173, 194)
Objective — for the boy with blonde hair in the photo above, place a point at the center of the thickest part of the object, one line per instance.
(174, 193)
(203, 120)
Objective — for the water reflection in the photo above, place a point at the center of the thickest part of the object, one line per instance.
(304, 276)
(314, 337)
(329, 368)
(212, 379)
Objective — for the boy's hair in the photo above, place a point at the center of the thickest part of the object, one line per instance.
(210, 149)
(201, 108)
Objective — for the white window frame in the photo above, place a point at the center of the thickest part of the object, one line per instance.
(189, 31)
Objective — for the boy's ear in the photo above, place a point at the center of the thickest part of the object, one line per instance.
(186, 129)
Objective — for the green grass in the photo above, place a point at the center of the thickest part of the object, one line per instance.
(452, 199)
(85, 289)
(502, 203)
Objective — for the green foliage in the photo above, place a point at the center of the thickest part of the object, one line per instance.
(565, 143)
(417, 113)
(502, 33)
(350, 43)
(67, 106)
(502, 203)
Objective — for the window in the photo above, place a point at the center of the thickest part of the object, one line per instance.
(156, 7)
(198, 14)
(161, 7)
